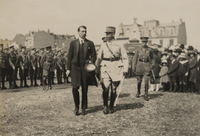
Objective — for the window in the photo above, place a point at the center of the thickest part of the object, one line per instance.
(172, 31)
(161, 42)
(161, 32)
(171, 42)
(150, 33)
(149, 42)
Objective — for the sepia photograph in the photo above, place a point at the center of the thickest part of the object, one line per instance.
(99, 68)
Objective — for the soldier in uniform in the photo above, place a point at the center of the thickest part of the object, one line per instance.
(42, 53)
(33, 67)
(47, 61)
(112, 63)
(64, 65)
(2, 67)
(23, 66)
(12, 58)
(6, 50)
(59, 67)
(142, 65)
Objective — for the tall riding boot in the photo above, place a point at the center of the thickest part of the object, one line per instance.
(146, 92)
(180, 87)
(164, 87)
(138, 89)
(105, 100)
(112, 100)
(189, 87)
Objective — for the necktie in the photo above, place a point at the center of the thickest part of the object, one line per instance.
(82, 52)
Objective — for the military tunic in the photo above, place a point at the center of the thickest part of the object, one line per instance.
(143, 62)
(112, 67)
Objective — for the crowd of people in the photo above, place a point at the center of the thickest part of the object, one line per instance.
(176, 70)
(35, 64)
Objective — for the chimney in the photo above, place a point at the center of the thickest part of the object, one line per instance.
(48, 30)
(134, 20)
(181, 21)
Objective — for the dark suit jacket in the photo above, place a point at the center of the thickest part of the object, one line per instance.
(173, 68)
(73, 63)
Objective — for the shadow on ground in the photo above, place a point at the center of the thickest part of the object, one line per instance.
(124, 95)
(119, 107)
(153, 96)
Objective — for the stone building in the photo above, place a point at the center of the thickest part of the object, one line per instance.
(39, 39)
(6, 43)
(161, 34)
(19, 39)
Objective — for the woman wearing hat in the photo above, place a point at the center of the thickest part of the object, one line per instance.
(192, 71)
(183, 72)
(164, 78)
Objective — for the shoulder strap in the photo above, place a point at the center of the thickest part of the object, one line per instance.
(110, 50)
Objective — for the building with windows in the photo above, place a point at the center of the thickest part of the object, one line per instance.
(6, 43)
(161, 34)
(63, 41)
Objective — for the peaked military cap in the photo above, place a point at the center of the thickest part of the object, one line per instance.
(48, 47)
(164, 53)
(164, 61)
(23, 47)
(1, 44)
(34, 49)
(11, 46)
(144, 39)
(6, 48)
(110, 29)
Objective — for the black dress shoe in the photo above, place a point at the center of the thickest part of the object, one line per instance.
(146, 97)
(105, 110)
(138, 95)
(16, 86)
(84, 112)
(112, 110)
(36, 85)
(76, 112)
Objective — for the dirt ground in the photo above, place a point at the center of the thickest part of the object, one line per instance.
(32, 111)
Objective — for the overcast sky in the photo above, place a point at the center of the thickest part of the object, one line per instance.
(64, 16)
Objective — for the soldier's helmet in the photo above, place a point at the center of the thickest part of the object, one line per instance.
(190, 48)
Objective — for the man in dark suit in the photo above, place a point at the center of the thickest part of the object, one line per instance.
(173, 72)
(81, 51)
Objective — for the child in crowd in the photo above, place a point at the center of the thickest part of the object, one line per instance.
(164, 79)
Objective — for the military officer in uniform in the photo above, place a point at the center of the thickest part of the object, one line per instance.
(112, 63)
(143, 63)
(23, 66)
(12, 58)
(33, 67)
(2, 67)
(6, 50)
(59, 67)
(42, 53)
(47, 61)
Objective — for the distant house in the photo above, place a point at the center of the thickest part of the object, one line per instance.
(6, 43)
(39, 39)
(19, 39)
(63, 41)
(165, 35)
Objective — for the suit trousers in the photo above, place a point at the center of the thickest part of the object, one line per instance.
(84, 88)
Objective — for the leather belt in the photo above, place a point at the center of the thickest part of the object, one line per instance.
(143, 60)
(111, 59)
